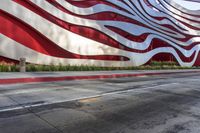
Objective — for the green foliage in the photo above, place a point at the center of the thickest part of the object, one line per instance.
(154, 65)
(7, 67)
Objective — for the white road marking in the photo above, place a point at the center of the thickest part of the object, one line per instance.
(20, 106)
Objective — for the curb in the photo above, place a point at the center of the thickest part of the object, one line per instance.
(64, 78)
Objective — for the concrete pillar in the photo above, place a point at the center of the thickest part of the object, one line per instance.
(22, 64)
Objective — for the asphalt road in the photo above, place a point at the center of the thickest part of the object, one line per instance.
(153, 104)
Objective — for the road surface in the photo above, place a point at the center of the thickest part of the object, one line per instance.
(148, 104)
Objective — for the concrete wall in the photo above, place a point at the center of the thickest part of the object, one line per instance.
(102, 33)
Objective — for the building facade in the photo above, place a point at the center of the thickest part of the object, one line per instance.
(99, 32)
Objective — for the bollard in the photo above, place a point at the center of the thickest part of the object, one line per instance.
(22, 64)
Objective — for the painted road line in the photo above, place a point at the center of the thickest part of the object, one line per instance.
(21, 106)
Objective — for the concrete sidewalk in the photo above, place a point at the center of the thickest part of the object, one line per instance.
(30, 77)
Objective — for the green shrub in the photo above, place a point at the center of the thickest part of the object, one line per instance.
(154, 65)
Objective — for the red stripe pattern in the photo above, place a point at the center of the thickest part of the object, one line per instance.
(116, 32)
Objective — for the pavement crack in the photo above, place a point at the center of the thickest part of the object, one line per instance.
(25, 107)
(45, 121)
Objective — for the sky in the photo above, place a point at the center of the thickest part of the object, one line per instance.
(188, 4)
